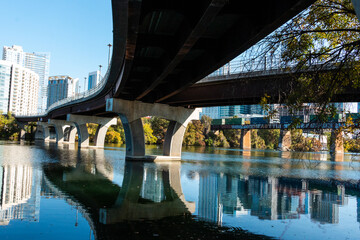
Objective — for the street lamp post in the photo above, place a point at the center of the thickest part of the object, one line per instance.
(100, 66)
(109, 45)
(84, 84)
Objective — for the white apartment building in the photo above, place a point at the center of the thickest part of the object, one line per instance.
(18, 89)
(37, 62)
(23, 98)
(5, 79)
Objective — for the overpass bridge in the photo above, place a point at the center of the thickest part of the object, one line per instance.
(160, 49)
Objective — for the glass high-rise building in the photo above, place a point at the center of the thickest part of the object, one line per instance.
(37, 62)
(94, 79)
(60, 87)
(231, 111)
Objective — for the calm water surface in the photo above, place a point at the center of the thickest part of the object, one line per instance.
(50, 191)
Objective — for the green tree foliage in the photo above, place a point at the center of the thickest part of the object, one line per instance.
(194, 134)
(303, 144)
(159, 127)
(9, 130)
(113, 136)
(270, 136)
(206, 122)
(256, 141)
(325, 36)
(148, 132)
(233, 137)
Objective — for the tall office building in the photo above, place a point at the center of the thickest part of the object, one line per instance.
(37, 62)
(60, 87)
(18, 89)
(94, 79)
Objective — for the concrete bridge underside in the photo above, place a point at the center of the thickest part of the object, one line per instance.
(161, 48)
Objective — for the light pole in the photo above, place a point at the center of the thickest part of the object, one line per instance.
(84, 84)
(100, 66)
(109, 45)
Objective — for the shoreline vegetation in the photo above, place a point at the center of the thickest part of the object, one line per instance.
(198, 133)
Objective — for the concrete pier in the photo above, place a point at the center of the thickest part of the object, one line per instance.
(285, 140)
(245, 139)
(337, 142)
(131, 113)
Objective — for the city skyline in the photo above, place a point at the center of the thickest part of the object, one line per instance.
(77, 41)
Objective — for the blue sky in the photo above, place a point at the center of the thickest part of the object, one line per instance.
(75, 32)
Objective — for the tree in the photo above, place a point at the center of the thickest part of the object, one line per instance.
(9, 130)
(159, 127)
(194, 134)
(148, 132)
(321, 46)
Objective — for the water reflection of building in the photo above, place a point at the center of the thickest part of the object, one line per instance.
(208, 198)
(19, 193)
(153, 187)
(358, 209)
(267, 198)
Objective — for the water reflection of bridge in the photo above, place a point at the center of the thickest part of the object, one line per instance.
(149, 192)
(269, 198)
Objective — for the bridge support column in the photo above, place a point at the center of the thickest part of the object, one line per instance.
(59, 126)
(131, 113)
(22, 132)
(102, 130)
(72, 134)
(173, 139)
(45, 133)
(80, 122)
(245, 139)
(285, 140)
(337, 143)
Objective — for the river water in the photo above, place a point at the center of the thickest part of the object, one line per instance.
(50, 191)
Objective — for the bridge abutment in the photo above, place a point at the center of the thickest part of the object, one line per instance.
(131, 113)
(285, 140)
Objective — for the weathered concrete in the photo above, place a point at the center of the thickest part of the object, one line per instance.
(46, 133)
(59, 126)
(102, 130)
(337, 143)
(22, 130)
(131, 113)
(80, 122)
(39, 133)
(245, 139)
(285, 140)
(22, 133)
(173, 139)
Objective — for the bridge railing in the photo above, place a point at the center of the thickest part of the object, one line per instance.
(77, 97)
(246, 65)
